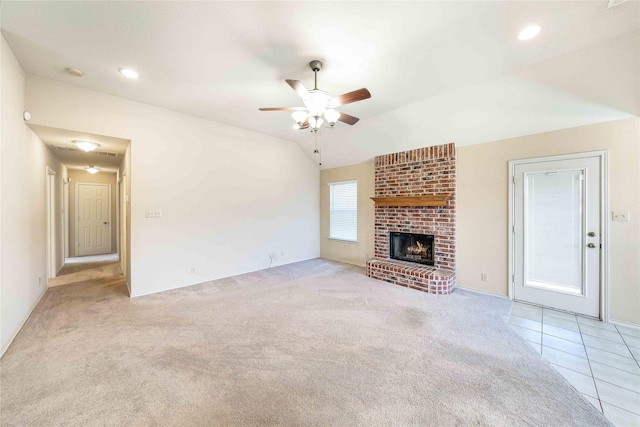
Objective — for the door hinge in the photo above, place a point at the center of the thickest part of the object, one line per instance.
(513, 279)
(513, 229)
(513, 178)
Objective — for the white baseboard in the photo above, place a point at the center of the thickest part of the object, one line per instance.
(15, 333)
(346, 261)
(200, 281)
(627, 324)
(482, 292)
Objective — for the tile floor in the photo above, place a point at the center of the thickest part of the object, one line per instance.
(601, 360)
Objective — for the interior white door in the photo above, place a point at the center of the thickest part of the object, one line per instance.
(557, 235)
(94, 225)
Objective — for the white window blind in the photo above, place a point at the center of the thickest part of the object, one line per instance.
(343, 210)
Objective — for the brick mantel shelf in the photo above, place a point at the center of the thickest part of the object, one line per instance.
(429, 200)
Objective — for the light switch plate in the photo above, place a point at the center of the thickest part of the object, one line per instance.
(153, 214)
(620, 216)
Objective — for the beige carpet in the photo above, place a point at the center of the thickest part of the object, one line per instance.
(315, 343)
(84, 272)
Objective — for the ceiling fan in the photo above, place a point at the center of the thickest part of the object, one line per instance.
(319, 109)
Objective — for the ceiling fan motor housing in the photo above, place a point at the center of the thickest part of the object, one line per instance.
(315, 65)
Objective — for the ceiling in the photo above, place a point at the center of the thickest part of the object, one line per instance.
(53, 138)
(438, 71)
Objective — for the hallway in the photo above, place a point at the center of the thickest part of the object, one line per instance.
(86, 269)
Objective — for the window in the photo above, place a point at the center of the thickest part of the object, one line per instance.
(343, 210)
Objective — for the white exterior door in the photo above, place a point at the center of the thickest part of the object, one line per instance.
(557, 234)
(94, 224)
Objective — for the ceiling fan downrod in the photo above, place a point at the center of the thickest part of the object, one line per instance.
(315, 66)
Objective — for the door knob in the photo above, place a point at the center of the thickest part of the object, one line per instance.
(106, 222)
(591, 245)
(591, 234)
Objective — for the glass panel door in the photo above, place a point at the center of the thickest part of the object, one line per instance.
(553, 230)
(557, 232)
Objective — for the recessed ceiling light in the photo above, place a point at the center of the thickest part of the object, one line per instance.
(92, 170)
(128, 72)
(86, 146)
(75, 72)
(529, 32)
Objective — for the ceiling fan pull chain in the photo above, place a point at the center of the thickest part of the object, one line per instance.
(319, 151)
(316, 150)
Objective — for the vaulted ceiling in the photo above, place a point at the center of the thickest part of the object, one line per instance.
(437, 71)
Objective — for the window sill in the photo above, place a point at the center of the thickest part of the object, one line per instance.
(342, 240)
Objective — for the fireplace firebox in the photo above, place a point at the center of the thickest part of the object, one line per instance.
(411, 247)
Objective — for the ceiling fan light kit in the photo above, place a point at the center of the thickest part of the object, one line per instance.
(319, 109)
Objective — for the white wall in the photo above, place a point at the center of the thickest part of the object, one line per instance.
(23, 224)
(229, 197)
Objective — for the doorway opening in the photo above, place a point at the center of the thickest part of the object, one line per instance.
(88, 203)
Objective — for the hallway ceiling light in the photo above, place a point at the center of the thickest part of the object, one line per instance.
(75, 72)
(128, 72)
(529, 32)
(92, 169)
(86, 146)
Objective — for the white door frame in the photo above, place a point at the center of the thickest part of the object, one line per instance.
(123, 253)
(76, 217)
(603, 156)
(65, 217)
(51, 227)
(118, 179)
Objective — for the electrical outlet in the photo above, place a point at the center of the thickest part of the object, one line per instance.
(620, 216)
(281, 253)
(484, 277)
(193, 270)
(153, 214)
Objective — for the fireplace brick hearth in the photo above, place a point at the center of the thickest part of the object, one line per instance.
(423, 172)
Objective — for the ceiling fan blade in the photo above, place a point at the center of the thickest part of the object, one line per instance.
(299, 88)
(348, 98)
(282, 109)
(305, 125)
(346, 118)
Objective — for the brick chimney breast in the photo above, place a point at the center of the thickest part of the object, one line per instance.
(421, 172)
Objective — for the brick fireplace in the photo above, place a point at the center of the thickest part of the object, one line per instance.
(416, 193)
